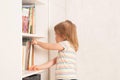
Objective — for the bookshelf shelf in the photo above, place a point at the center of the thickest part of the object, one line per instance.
(33, 2)
(29, 73)
(31, 35)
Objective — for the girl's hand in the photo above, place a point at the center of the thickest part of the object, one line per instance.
(34, 41)
(34, 68)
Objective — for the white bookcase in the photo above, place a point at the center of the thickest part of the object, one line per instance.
(36, 35)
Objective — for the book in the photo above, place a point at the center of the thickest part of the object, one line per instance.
(23, 57)
(31, 20)
(30, 56)
(25, 19)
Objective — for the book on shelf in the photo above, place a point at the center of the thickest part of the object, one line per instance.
(28, 19)
(27, 55)
(23, 57)
(25, 20)
(31, 22)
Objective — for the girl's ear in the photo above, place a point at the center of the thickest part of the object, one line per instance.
(64, 37)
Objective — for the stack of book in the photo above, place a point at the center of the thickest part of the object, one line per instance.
(28, 19)
(27, 55)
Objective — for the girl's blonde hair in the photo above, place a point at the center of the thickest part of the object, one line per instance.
(67, 30)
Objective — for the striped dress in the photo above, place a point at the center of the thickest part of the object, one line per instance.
(66, 62)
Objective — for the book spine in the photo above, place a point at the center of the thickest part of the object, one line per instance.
(25, 20)
(23, 57)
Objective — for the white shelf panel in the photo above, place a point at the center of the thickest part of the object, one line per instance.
(31, 35)
(33, 2)
(29, 73)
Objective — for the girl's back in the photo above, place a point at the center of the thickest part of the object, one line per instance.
(66, 62)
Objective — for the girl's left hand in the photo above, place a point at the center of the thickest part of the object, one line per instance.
(34, 68)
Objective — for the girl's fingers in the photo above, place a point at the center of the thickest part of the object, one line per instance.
(32, 67)
(34, 41)
(36, 68)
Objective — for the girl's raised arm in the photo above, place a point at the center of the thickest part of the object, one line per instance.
(49, 46)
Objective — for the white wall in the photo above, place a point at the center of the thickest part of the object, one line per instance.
(98, 25)
(57, 13)
(11, 40)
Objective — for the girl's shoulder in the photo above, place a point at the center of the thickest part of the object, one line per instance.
(66, 44)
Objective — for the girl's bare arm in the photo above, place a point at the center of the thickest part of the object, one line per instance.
(49, 46)
(44, 66)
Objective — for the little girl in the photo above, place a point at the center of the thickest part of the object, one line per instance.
(67, 46)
